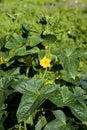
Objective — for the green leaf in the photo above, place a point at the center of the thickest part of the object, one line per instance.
(2, 118)
(28, 86)
(49, 89)
(29, 103)
(14, 71)
(60, 115)
(32, 97)
(34, 93)
(69, 62)
(78, 52)
(58, 125)
(35, 40)
(80, 111)
(50, 39)
(2, 41)
(14, 41)
(2, 73)
(4, 88)
(4, 54)
(22, 51)
(56, 98)
(41, 123)
(67, 96)
(62, 96)
(33, 50)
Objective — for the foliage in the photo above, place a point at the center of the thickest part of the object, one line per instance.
(43, 63)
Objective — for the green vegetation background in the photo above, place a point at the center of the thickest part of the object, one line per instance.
(67, 21)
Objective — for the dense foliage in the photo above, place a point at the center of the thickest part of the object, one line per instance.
(43, 65)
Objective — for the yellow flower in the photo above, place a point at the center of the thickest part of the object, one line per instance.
(58, 75)
(45, 62)
(48, 82)
(46, 47)
(1, 60)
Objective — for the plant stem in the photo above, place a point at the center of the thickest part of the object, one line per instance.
(44, 73)
(27, 71)
(20, 126)
(25, 126)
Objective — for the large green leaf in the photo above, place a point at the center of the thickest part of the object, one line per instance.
(32, 97)
(28, 86)
(62, 97)
(14, 41)
(69, 62)
(34, 93)
(29, 103)
(80, 111)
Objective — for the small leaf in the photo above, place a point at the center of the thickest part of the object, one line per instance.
(41, 123)
(2, 42)
(50, 39)
(4, 54)
(35, 40)
(14, 71)
(22, 51)
(60, 115)
(33, 50)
